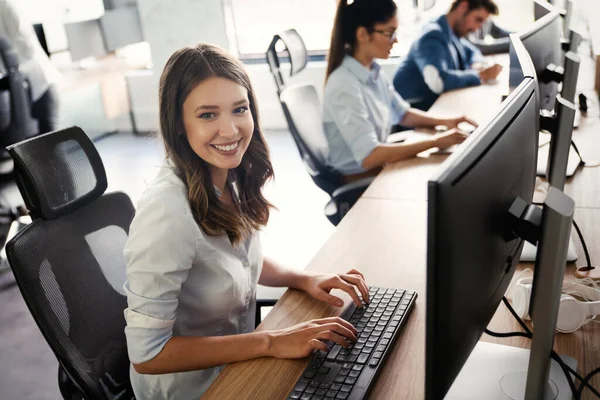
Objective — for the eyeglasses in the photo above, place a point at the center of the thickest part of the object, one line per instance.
(392, 36)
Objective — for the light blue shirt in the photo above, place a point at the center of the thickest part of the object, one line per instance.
(360, 107)
(182, 282)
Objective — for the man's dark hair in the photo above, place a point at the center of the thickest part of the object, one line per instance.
(489, 5)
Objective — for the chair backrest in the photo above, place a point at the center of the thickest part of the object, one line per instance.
(302, 110)
(296, 49)
(69, 263)
(16, 122)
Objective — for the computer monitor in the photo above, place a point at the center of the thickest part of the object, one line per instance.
(472, 252)
(85, 39)
(121, 27)
(542, 41)
(570, 76)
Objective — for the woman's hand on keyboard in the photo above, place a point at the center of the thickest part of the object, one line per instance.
(319, 286)
(300, 340)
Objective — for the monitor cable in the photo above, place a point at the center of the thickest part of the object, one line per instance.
(568, 371)
(588, 261)
(586, 164)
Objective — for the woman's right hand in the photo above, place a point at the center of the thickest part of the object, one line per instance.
(300, 340)
(449, 138)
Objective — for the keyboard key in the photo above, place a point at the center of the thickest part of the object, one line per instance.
(339, 379)
(310, 373)
(350, 380)
(336, 387)
(321, 392)
(301, 385)
(374, 362)
(344, 371)
(332, 393)
(295, 394)
(354, 374)
(357, 367)
(346, 388)
(306, 396)
(333, 353)
(323, 370)
(342, 395)
(362, 358)
(310, 389)
(378, 354)
(314, 384)
(317, 397)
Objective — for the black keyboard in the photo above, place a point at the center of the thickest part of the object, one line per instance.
(348, 373)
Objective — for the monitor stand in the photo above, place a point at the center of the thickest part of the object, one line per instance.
(498, 372)
(542, 161)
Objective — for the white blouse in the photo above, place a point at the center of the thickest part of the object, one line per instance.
(182, 282)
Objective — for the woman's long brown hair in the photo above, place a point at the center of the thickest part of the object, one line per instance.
(185, 69)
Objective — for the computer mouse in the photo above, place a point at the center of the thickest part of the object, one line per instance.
(466, 127)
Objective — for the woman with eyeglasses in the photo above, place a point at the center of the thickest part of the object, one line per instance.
(360, 104)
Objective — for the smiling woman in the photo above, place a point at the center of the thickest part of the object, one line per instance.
(193, 255)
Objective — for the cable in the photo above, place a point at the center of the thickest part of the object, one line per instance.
(588, 259)
(585, 164)
(584, 383)
(568, 371)
(585, 249)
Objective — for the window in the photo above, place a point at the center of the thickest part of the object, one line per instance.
(251, 24)
(256, 21)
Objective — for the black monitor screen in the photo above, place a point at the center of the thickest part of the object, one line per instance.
(470, 256)
(542, 41)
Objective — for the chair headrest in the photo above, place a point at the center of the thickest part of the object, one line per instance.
(58, 172)
(295, 47)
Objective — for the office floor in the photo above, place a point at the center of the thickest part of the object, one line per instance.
(28, 369)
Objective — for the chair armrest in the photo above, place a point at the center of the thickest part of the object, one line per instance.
(344, 197)
(260, 303)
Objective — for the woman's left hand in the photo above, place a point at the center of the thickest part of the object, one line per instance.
(319, 286)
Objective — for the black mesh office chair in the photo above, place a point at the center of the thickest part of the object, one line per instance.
(69, 263)
(302, 110)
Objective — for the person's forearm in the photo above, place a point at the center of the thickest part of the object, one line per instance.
(190, 353)
(276, 275)
(389, 153)
(414, 117)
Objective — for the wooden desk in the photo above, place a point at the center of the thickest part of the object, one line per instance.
(407, 180)
(391, 218)
(399, 262)
(370, 224)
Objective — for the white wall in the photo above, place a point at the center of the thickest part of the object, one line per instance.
(168, 26)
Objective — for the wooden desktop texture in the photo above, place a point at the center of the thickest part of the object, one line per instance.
(384, 235)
